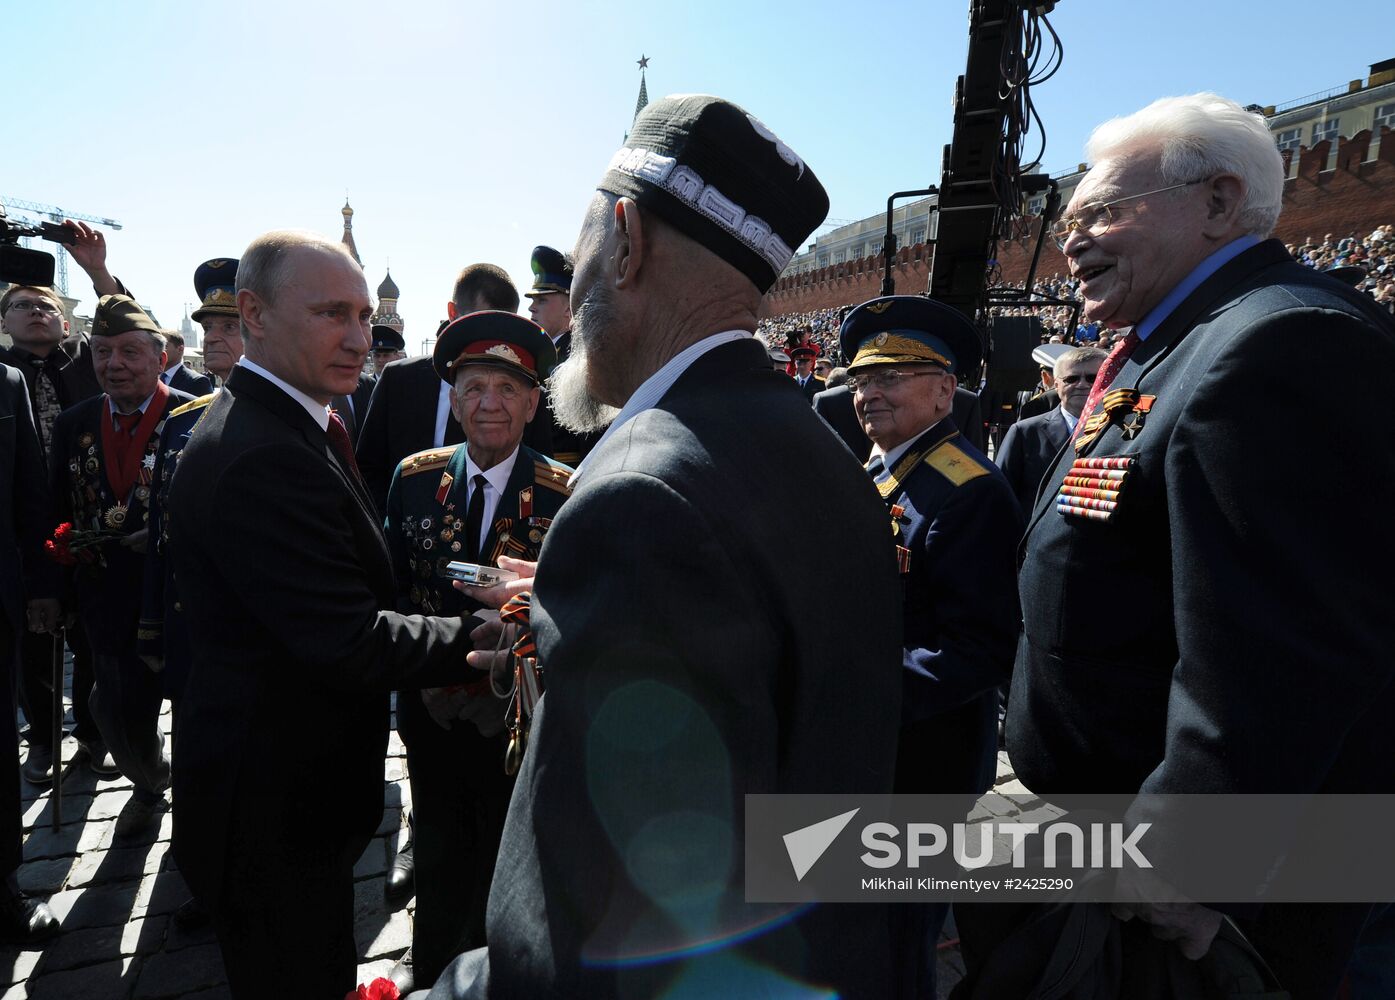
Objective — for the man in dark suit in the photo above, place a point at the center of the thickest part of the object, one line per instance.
(671, 614)
(475, 502)
(1031, 444)
(1231, 653)
(29, 588)
(956, 526)
(57, 371)
(410, 407)
(101, 464)
(283, 571)
(175, 375)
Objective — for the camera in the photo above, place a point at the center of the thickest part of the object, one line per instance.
(20, 265)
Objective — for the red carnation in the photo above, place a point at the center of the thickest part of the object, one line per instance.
(378, 989)
(58, 547)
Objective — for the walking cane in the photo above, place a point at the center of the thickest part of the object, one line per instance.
(57, 795)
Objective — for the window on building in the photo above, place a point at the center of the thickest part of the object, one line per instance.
(1385, 115)
(876, 247)
(1035, 205)
(1290, 138)
(839, 257)
(855, 253)
(823, 260)
(1325, 130)
(917, 236)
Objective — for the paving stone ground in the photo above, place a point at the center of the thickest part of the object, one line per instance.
(115, 901)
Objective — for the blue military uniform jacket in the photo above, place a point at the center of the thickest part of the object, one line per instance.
(163, 632)
(426, 519)
(956, 525)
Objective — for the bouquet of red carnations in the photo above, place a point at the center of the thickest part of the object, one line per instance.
(69, 546)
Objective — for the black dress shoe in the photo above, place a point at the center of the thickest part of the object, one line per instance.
(402, 974)
(25, 921)
(401, 877)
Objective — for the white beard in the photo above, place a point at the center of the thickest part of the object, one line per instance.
(573, 405)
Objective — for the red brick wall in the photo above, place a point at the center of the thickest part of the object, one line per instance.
(1352, 199)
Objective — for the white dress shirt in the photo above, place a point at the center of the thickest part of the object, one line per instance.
(495, 479)
(318, 411)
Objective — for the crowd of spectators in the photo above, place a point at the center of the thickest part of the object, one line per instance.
(1061, 324)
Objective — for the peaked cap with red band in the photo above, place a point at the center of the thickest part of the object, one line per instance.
(493, 337)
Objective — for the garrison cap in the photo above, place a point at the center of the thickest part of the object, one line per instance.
(118, 314)
(494, 337)
(215, 281)
(720, 176)
(909, 329)
(385, 338)
(552, 273)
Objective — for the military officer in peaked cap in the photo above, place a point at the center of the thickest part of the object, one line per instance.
(809, 383)
(549, 303)
(388, 346)
(215, 282)
(472, 502)
(956, 525)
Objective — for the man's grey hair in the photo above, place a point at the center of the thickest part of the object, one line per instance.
(837, 377)
(262, 267)
(1201, 135)
(1080, 356)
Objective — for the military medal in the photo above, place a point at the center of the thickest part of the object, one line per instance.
(525, 503)
(115, 517)
(444, 488)
(85, 440)
(535, 536)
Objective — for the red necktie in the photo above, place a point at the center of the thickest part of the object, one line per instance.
(1107, 373)
(339, 439)
(125, 430)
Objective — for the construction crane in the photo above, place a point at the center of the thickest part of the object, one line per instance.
(57, 215)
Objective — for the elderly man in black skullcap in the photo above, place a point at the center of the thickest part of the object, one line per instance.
(671, 614)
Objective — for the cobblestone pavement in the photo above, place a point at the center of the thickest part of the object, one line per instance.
(115, 902)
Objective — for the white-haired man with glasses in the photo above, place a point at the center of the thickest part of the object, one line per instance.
(956, 525)
(1193, 626)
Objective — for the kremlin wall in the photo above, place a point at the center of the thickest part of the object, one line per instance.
(1351, 198)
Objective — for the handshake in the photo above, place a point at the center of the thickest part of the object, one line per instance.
(483, 702)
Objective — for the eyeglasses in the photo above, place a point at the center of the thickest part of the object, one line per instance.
(41, 306)
(886, 381)
(1087, 378)
(1094, 220)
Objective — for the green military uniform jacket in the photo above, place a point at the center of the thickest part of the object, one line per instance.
(426, 520)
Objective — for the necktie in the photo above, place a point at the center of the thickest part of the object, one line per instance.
(339, 439)
(876, 468)
(165, 377)
(46, 403)
(1107, 373)
(474, 517)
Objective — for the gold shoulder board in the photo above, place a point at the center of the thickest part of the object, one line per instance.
(425, 461)
(955, 464)
(553, 475)
(193, 404)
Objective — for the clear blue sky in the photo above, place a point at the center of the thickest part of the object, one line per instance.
(472, 131)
